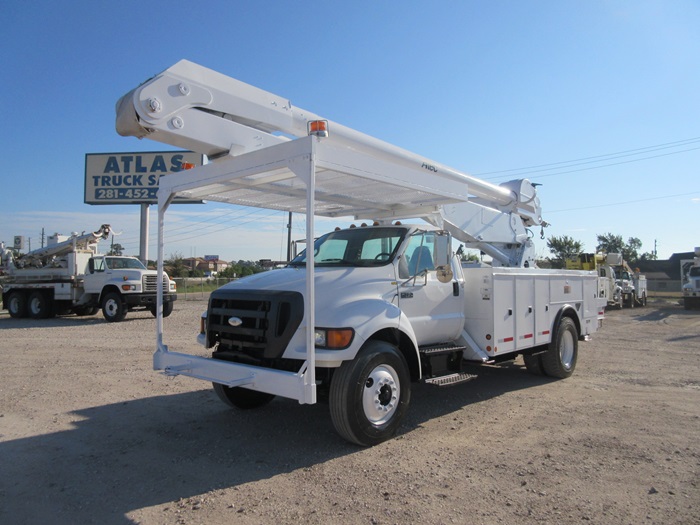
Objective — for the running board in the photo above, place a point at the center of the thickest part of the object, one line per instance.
(452, 379)
(440, 349)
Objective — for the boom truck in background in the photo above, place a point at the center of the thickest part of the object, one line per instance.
(69, 276)
(690, 281)
(365, 311)
(618, 284)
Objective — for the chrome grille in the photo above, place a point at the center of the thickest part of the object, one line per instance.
(150, 283)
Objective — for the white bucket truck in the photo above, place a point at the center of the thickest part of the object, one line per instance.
(69, 276)
(618, 284)
(364, 311)
(690, 281)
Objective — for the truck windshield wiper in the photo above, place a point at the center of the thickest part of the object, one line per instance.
(343, 262)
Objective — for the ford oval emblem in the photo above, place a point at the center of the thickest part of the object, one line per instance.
(235, 321)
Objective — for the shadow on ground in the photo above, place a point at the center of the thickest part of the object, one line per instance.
(131, 455)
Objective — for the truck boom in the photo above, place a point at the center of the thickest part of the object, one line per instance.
(196, 108)
(41, 256)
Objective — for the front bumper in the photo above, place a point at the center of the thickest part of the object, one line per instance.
(147, 299)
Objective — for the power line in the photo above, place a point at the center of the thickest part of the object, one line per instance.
(598, 158)
(627, 202)
(607, 165)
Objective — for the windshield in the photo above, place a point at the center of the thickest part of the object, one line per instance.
(366, 246)
(120, 263)
(694, 271)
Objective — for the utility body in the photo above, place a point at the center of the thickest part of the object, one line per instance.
(364, 311)
(690, 281)
(69, 276)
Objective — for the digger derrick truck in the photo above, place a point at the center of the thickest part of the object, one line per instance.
(69, 276)
(363, 312)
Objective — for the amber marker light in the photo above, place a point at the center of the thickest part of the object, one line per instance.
(318, 128)
(334, 338)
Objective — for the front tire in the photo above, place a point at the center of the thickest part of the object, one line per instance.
(560, 358)
(242, 398)
(167, 309)
(113, 308)
(370, 394)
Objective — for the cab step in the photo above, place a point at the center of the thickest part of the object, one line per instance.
(440, 349)
(441, 363)
(449, 380)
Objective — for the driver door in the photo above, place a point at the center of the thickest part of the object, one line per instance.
(435, 309)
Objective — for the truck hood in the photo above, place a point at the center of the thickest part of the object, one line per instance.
(335, 287)
(132, 275)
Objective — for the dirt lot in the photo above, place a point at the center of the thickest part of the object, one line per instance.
(90, 434)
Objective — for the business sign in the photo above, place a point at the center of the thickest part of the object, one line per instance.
(132, 178)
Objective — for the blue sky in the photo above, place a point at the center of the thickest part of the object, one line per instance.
(596, 100)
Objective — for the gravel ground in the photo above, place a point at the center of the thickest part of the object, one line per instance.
(89, 433)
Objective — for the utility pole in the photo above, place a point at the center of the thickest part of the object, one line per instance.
(42, 237)
(289, 238)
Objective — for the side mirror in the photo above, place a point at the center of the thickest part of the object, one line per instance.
(443, 253)
(91, 265)
(442, 249)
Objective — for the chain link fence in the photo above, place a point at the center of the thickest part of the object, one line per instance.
(198, 288)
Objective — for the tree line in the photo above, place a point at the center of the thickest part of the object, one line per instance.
(565, 247)
(175, 267)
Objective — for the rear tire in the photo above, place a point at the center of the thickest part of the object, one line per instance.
(242, 398)
(559, 360)
(370, 394)
(39, 305)
(16, 304)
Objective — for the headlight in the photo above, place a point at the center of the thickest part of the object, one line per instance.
(203, 323)
(333, 338)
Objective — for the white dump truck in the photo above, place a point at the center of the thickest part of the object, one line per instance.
(690, 281)
(69, 276)
(364, 311)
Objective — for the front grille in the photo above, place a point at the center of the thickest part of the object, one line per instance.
(150, 283)
(268, 320)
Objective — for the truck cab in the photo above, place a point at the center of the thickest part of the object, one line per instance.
(383, 278)
(690, 278)
(123, 283)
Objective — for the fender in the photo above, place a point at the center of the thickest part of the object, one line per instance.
(566, 309)
(368, 317)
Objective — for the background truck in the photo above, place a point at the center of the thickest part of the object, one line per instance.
(365, 311)
(690, 281)
(618, 284)
(69, 276)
